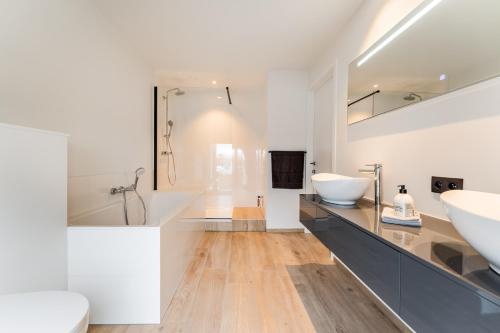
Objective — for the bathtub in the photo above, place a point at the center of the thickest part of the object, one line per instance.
(130, 273)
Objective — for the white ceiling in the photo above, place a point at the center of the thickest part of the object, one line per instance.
(196, 40)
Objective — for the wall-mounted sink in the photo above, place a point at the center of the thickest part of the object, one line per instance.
(476, 216)
(338, 189)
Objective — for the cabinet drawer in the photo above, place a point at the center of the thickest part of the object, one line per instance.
(432, 302)
(374, 262)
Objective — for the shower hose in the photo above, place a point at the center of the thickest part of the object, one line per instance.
(125, 207)
(170, 157)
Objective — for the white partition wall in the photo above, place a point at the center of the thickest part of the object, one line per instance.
(33, 182)
(288, 113)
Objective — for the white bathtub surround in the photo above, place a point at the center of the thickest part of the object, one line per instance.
(89, 195)
(118, 270)
(129, 274)
(33, 181)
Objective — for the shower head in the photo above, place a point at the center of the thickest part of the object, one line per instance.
(170, 124)
(138, 173)
(412, 96)
(178, 92)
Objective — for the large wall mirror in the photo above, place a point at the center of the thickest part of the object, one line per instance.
(443, 45)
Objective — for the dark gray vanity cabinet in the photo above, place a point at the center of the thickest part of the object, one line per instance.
(431, 302)
(375, 263)
(314, 219)
(425, 296)
(372, 261)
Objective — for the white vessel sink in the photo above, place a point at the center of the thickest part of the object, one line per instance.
(338, 189)
(476, 216)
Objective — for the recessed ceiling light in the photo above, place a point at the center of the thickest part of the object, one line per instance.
(399, 31)
(214, 82)
(219, 97)
(375, 86)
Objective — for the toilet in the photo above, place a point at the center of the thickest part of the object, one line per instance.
(44, 312)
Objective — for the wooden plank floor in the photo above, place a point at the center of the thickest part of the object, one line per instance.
(264, 282)
(248, 219)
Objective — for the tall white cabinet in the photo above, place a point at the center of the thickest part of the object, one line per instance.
(33, 209)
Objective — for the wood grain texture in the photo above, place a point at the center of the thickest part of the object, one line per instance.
(218, 225)
(283, 230)
(264, 282)
(248, 214)
(248, 219)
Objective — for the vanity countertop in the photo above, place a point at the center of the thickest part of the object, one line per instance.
(436, 244)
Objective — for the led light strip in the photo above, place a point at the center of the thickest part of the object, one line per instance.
(399, 31)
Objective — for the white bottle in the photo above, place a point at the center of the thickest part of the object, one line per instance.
(404, 205)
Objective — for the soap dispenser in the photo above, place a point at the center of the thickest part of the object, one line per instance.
(404, 205)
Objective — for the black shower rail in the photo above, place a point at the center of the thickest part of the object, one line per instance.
(364, 97)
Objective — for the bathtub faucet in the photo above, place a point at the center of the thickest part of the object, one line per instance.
(123, 189)
(131, 188)
(117, 190)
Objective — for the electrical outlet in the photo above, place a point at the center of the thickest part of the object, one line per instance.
(443, 184)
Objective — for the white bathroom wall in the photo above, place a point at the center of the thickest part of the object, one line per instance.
(288, 125)
(323, 144)
(453, 135)
(62, 68)
(33, 182)
(218, 147)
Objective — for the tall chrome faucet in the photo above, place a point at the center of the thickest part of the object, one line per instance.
(377, 181)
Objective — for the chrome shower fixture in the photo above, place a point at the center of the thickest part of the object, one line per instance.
(178, 92)
(131, 188)
(138, 173)
(412, 96)
(169, 124)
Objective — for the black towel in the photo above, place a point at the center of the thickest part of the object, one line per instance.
(287, 169)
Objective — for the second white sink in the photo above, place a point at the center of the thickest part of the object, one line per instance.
(476, 216)
(338, 189)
